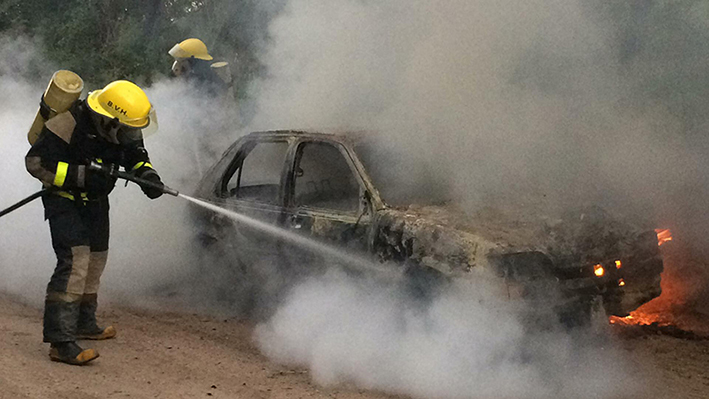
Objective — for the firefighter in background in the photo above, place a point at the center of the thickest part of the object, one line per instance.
(107, 127)
(213, 82)
(194, 63)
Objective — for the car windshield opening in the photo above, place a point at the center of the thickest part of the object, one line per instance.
(258, 177)
(401, 177)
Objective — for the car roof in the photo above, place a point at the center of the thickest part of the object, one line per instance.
(336, 135)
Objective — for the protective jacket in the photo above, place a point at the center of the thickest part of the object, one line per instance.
(205, 75)
(68, 142)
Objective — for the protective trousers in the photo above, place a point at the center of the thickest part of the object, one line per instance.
(79, 230)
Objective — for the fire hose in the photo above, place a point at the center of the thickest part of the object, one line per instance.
(114, 172)
(24, 201)
(109, 171)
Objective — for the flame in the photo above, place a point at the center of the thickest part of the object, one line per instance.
(637, 318)
(680, 288)
(663, 235)
(625, 321)
(650, 313)
(598, 270)
(621, 320)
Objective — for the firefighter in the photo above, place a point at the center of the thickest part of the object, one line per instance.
(194, 63)
(107, 127)
(213, 84)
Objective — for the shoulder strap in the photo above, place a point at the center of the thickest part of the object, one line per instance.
(62, 125)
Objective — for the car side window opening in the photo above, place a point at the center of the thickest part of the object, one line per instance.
(258, 175)
(324, 179)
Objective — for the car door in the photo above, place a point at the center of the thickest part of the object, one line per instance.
(252, 185)
(326, 196)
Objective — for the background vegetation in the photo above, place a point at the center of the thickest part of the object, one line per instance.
(104, 40)
(662, 45)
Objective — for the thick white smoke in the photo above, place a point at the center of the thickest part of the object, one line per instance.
(153, 242)
(501, 97)
(25, 250)
(521, 100)
(466, 343)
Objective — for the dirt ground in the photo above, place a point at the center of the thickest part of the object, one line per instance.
(166, 355)
(155, 355)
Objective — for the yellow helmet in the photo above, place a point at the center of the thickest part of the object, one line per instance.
(123, 100)
(190, 48)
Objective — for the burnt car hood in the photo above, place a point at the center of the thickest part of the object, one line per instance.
(584, 236)
(567, 247)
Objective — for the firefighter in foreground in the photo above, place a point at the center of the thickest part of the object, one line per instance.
(107, 127)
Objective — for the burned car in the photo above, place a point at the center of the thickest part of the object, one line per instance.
(318, 185)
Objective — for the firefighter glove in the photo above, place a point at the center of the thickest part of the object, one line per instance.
(99, 181)
(154, 190)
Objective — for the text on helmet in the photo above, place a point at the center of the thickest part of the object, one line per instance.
(117, 108)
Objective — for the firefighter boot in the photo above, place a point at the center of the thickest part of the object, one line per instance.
(88, 327)
(71, 353)
(61, 313)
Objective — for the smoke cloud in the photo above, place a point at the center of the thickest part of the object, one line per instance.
(539, 104)
(543, 105)
(25, 252)
(466, 342)
(156, 248)
(503, 95)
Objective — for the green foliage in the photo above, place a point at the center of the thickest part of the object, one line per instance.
(104, 40)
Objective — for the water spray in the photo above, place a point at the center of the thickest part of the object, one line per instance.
(345, 257)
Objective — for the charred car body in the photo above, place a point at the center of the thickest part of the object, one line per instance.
(318, 185)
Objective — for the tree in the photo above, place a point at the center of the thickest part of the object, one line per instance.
(104, 40)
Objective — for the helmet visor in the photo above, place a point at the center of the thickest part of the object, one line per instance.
(152, 126)
(128, 133)
(178, 52)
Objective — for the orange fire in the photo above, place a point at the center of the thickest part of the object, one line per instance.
(598, 270)
(637, 319)
(621, 320)
(663, 235)
(658, 310)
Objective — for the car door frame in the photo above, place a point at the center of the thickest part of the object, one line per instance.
(368, 197)
(272, 213)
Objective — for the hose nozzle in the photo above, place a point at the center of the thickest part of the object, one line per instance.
(168, 190)
(108, 169)
(95, 166)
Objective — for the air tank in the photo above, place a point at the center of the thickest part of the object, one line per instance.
(64, 88)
